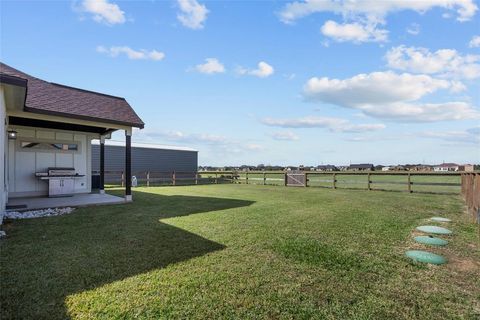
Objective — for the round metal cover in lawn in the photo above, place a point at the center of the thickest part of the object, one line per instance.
(440, 219)
(434, 229)
(425, 257)
(433, 241)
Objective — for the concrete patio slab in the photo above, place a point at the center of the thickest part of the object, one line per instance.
(78, 200)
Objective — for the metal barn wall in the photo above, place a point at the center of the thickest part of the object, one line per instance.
(146, 159)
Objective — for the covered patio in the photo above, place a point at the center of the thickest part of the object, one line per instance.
(49, 128)
(77, 200)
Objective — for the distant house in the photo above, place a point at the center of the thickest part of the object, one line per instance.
(361, 167)
(466, 167)
(446, 167)
(387, 168)
(421, 167)
(327, 167)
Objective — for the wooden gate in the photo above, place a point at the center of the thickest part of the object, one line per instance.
(296, 179)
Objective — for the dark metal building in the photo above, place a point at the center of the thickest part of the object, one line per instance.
(146, 157)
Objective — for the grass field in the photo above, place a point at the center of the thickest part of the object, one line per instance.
(243, 252)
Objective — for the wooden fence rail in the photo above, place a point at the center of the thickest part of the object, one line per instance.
(413, 181)
(471, 194)
(398, 181)
(151, 178)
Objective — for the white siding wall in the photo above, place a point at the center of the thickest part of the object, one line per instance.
(24, 163)
(3, 133)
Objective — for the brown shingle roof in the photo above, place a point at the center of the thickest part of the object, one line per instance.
(56, 99)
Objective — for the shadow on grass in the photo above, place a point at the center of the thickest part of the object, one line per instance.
(45, 260)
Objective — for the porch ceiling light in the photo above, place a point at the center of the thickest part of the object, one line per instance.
(12, 134)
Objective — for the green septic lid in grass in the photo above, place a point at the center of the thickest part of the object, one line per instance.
(440, 219)
(426, 257)
(433, 241)
(434, 229)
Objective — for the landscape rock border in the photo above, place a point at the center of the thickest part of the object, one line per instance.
(31, 214)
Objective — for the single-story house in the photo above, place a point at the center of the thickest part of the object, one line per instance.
(327, 167)
(361, 167)
(419, 167)
(445, 167)
(48, 129)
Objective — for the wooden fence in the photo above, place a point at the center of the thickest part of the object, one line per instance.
(433, 182)
(173, 178)
(471, 194)
(390, 181)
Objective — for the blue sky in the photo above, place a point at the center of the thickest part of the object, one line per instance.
(285, 83)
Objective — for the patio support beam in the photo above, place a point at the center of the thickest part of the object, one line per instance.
(102, 164)
(128, 165)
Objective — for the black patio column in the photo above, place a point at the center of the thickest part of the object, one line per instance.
(102, 164)
(128, 166)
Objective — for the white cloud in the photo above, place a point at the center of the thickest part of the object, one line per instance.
(285, 135)
(422, 112)
(475, 42)
(104, 11)
(181, 137)
(132, 54)
(211, 65)
(443, 62)
(193, 14)
(373, 8)
(414, 29)
(388, 95)
(372, 88)
(471, 135)
(354, 32)
(332, 124)
(254, 147)
(218, 143)
(263, 70)
(361, 18)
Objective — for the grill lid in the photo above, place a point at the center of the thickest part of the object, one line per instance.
(61, 171)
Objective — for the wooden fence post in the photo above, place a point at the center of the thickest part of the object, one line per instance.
(334, 181)
(216, 178)
(123, 179)
(306, 179)
(148, 178)
(264, 178)
(368, 185)
(409, 181)
(196, 177)
(246, 177)
(286, 179)
(173, 178)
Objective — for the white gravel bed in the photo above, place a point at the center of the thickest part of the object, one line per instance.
(38, 213)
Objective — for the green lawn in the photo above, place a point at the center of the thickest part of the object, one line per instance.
(244, 252)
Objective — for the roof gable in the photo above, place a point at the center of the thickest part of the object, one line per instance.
(60, 100)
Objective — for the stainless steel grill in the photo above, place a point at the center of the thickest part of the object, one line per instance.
(60, 181)
(64, 172)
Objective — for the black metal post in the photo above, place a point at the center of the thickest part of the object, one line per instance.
(128, 167)
(102, 165)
